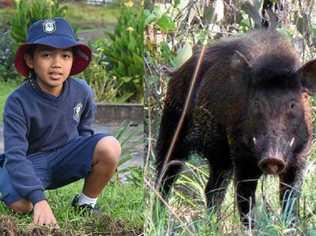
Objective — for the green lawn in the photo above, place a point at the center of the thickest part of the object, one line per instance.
(122, 205)
(5, 89)
(81, 16)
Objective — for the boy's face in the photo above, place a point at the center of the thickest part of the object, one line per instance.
(52, 67)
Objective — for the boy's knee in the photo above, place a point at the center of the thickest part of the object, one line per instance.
(21, 206)
(108, 151)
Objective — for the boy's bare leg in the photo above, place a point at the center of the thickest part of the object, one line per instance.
(104, 163)
(21, 206)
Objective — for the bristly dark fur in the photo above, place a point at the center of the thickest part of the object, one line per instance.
(269, 54)
(249, 111)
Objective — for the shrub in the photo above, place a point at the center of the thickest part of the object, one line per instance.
(104, 86)
(28, 12)
(123, 52)
(7, 70)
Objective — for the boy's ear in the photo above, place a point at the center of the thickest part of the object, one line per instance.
(29, 61)
(307, 74)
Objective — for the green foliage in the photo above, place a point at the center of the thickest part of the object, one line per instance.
(104, 86)
(107, 87)
(123, 53)
(7, 70)
(28, 12)
(129, 137)
(245, 23)
(5, 15)
(166, 24)
(6, 87)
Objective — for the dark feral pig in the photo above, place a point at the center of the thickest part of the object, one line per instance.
(249, 115)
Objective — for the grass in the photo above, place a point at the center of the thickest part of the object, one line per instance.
(81, 16)
(84, 17)
(186, 213)
(5, 89)
(122, 205)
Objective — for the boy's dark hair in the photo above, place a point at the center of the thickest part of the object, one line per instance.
(30, 51)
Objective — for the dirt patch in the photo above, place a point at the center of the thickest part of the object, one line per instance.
(103, 225)
(8, 227)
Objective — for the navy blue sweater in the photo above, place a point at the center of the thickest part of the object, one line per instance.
(35, 121)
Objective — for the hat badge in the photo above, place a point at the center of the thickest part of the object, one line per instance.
(49, 26)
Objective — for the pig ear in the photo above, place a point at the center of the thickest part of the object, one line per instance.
(239, 61)
(307, 74)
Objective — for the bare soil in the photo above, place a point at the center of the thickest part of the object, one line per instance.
(104, 226)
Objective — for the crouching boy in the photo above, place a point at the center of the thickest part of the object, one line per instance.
(48, 139)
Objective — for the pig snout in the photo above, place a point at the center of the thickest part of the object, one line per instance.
(273, 161)
(272, 165)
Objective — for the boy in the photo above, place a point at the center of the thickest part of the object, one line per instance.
(48, 138)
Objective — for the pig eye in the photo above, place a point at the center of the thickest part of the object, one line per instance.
(256, 103)
(292, 105)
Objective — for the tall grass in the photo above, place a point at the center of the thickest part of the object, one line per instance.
(186, 212)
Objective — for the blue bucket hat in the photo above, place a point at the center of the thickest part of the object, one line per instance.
(56, 33)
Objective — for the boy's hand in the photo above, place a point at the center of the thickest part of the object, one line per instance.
(43, 215)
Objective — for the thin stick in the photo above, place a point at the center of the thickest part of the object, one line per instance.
(186, 105)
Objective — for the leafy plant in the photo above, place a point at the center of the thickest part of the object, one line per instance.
(7, 70)
(27, 12)
(106, 86)
(123, 52)
(102, 83)
(128, 138)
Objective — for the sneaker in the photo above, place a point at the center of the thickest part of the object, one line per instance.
(85, 208)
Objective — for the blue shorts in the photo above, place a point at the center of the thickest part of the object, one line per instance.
(55, 168)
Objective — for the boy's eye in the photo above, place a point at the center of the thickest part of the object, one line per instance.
(45, 54)
(67, 56)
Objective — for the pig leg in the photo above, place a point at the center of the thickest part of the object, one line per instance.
(220, 172)
(170, 171)
(216, 188)
(290, 186)
(246, 179)
(166, 175)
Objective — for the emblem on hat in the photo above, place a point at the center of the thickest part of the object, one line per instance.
(49, 26)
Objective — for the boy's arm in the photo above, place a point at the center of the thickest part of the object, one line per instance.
(19, 167)
(88, 115)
